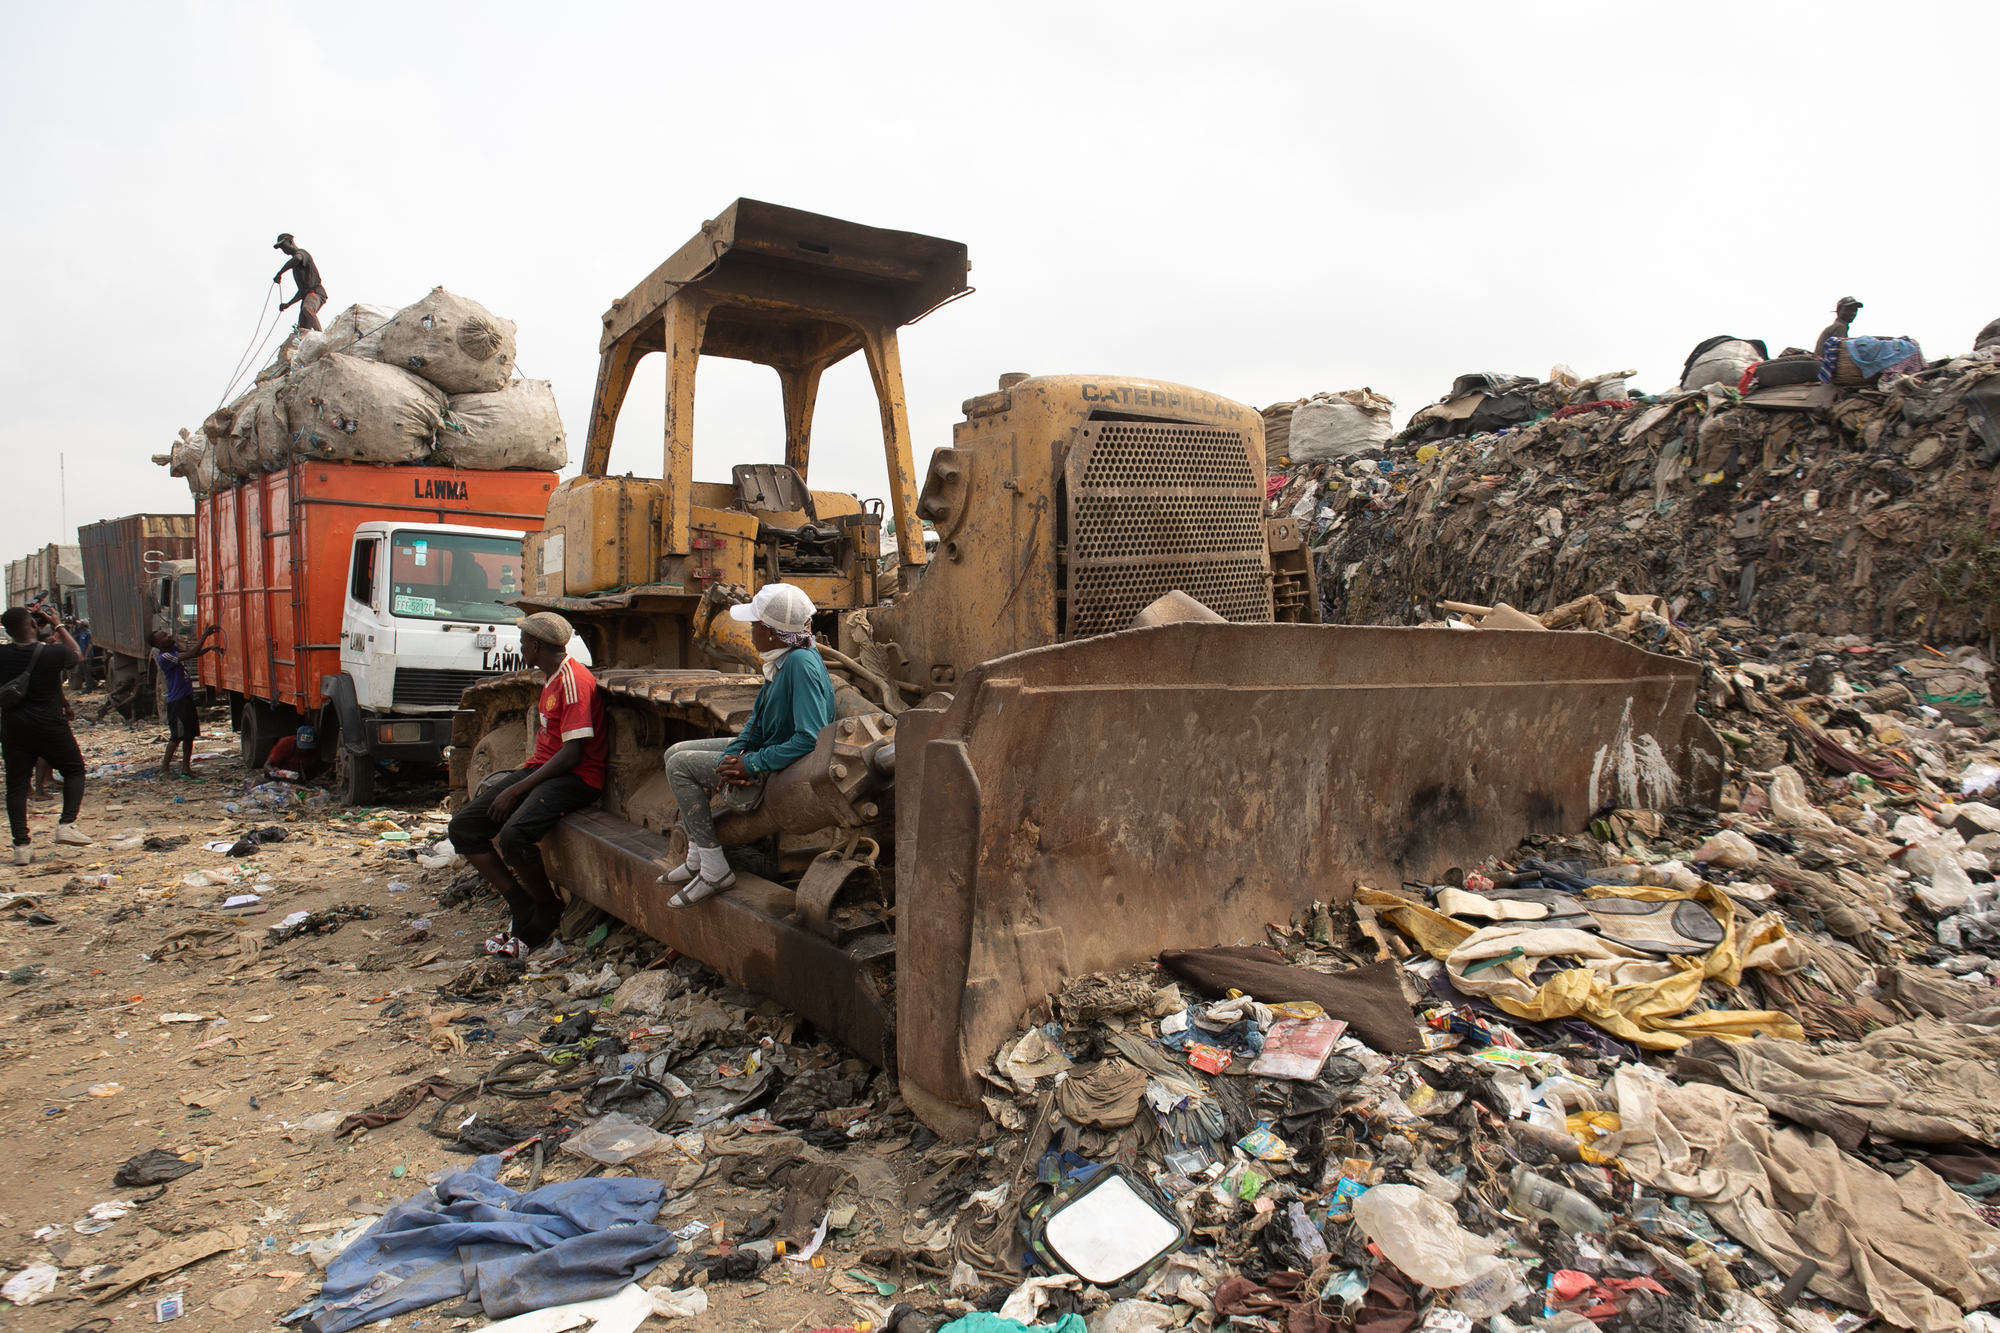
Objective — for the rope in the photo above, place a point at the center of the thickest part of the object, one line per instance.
(256, 339)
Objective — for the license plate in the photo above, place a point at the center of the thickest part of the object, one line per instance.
(485, 640)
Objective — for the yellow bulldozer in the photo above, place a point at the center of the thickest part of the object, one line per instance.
(1099, 719)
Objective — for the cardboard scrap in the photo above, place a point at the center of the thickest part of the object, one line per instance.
(173, 1256)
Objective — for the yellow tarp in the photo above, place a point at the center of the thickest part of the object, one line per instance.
(1652, 1015)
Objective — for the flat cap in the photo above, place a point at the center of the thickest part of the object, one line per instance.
(548, 627)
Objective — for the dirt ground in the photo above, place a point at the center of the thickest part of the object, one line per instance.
(92, 1071)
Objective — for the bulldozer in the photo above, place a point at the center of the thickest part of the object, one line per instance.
(1098, 719)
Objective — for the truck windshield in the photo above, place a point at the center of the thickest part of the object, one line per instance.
(452, 576)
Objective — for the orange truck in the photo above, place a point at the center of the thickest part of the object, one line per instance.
(360, 599)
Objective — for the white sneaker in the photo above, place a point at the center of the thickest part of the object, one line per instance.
(69, 835)
(24, 855)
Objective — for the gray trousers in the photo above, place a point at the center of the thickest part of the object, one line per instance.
(691, 773)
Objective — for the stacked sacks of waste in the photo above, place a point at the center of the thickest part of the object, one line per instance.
(1789, 506)
(430, 383)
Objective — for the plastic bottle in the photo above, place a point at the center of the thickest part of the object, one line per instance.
(1534, 1196)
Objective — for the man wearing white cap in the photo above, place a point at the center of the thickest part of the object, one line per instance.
(514, 811)
(796, 701)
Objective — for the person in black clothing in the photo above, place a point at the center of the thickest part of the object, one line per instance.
(305, 276)
(35, 728)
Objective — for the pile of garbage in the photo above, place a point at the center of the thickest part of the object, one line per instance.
(1688, 1069)
(1800, 506)
(430, 383)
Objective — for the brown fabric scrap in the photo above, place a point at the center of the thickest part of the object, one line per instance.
(405, 1103)
(1106, 1094)
(1369, 998)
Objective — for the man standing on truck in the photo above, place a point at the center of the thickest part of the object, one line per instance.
(183, 724)
(795, 701)
(310, 295)
(514, 811)
(34, 728)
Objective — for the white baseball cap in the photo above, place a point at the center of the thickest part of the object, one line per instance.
(779, 605)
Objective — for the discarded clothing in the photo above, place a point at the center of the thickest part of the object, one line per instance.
(1924, 1081)
(1644, 1000)
(1907, 1249)
(1106, 1094)
(1873, 356)
(1369, 998)
(1386, 1306)
(470, 1236)
(401, 1105)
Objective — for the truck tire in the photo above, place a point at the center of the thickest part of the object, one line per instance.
(262, 724)
(354, 777)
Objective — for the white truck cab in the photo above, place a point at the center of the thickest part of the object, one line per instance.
(426, 615)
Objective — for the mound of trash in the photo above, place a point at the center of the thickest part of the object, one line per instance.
(1862, 508)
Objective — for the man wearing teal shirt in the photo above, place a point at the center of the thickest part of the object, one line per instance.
(795, 702)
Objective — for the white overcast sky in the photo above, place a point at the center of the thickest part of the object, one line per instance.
(1259, 200)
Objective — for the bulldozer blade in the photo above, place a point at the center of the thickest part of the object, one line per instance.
(744, 933)
(1080, 807)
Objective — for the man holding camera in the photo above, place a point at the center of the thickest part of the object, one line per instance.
(37, 654)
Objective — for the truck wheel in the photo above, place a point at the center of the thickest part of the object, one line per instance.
(262, 725)
(355, 781)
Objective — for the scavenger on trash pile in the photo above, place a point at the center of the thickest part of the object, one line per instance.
(1755, 492)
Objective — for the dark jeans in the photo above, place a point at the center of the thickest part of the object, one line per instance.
(21, 744)
(474, 831)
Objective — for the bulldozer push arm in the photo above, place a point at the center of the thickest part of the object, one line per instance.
(1101, 720)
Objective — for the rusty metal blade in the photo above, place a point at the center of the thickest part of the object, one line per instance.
(1081, 807)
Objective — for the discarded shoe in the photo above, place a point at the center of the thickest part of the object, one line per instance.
(506, 945)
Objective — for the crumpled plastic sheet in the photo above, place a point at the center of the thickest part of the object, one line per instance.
(470, 1236)
(1651, 1013)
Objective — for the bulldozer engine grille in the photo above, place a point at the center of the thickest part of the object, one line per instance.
(1154, 508)
(433, 685)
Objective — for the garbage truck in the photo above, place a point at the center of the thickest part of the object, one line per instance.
(140, 572)
(1098, 717)
(361, 599)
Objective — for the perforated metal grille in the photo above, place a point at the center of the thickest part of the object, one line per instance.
(1154, 508)
(1109, 526)
(1177, 458)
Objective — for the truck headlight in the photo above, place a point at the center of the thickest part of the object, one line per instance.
(402, 733)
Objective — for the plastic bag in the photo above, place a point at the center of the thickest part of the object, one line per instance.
(356, 330)
(1422, 1236)
(1790, 803)
(1335, 425)
(1131, 1317)
(516, 427)
(344, 407)
(30, 1284)
(456, 344)
(684, 1304)
(1729, 849)
(614, 1139)
(1498, 1289)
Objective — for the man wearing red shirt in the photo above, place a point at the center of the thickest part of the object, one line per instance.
(514, 811)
